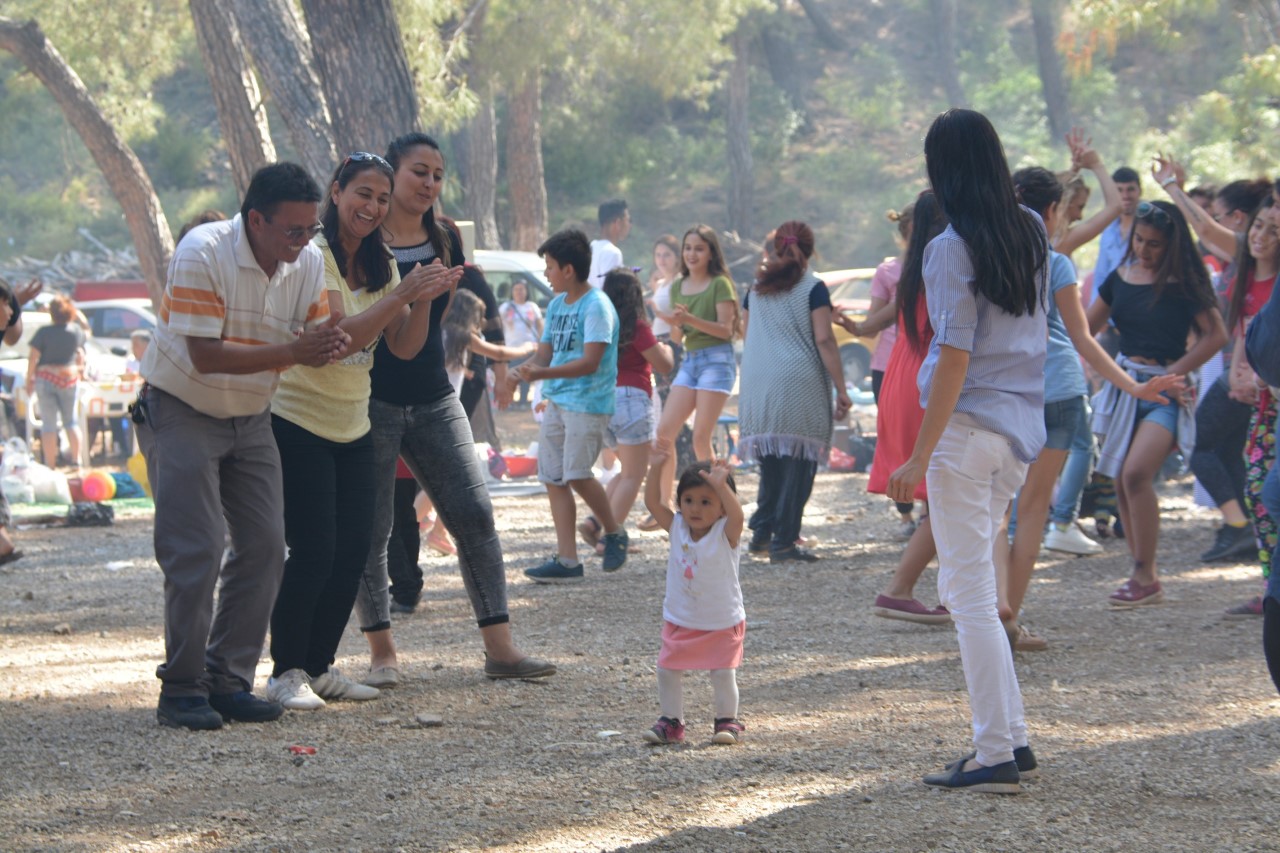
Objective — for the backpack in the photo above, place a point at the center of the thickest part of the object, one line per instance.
(1262, 342)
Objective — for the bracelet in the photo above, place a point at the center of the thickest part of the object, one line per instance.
(1165, 183)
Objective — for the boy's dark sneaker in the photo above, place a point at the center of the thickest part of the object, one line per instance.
(1232, 543)
(1028, 768)
(244, 707)
(666, 730)
(554, 571)
(187, 712)
(1000, 779)
(728, 731)
(794, 554)
(615, 550)
(405, 606)
(759, 546)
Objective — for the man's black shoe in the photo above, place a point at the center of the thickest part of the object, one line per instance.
(244, 707)
(187, 712)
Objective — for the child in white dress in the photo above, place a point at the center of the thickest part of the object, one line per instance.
(703, 619)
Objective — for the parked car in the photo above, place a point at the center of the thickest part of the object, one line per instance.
(114, 320)
(503, 269)
(851, 293)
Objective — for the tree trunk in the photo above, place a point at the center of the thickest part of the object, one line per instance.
(827, 35)
(282, 55)
(525, 181)
(738, 133)
(359, 53)
(780, 54)
(242, 116)
(1044, 22)
(128, 180)
(479, 150)
(943, 13)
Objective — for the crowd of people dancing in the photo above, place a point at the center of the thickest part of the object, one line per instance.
(309, 387)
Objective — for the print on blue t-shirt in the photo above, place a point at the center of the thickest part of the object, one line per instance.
(569, 328)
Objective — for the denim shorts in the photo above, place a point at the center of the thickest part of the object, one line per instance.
(52, 402)
(711, 369)
(1062, 418)
(633, 418)
(1164, 414)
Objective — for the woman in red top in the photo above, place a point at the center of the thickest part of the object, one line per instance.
(899, 413)
(632, 427)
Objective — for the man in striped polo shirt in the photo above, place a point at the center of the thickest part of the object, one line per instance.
(245, 300)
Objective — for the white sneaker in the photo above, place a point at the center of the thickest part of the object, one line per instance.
(335, 685)
(293, 690)
(1071, 540)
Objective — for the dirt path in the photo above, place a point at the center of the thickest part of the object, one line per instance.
(1156, 728)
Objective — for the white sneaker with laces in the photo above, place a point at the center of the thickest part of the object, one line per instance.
(292, 689)
(334, 685)
(1071, 540)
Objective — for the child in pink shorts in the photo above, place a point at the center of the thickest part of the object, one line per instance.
(703, 619)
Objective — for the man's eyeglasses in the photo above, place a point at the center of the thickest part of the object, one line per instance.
(1147, 210)
(298, 233)
(365, 157)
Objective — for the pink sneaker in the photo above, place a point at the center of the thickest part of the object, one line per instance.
(728, 731)
(666, 730)
(910, 610)
(1250, 609)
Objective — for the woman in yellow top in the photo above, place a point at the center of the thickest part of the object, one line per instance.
(320, 417)
(704, 317)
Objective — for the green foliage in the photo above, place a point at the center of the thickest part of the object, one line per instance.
(445, 98)
(634, 106)
(119, 48)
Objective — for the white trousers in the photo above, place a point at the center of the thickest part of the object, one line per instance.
(972, 476)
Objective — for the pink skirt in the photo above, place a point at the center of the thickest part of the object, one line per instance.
(688, 648)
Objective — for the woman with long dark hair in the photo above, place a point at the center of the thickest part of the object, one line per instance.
(704, 318)
(416, 416)
(789, 364)
(1260, 444)
(1223, 415)
(983, 381)
(1160, 295)
(321, 424)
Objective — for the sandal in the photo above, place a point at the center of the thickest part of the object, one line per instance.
(649, 524)
(590, 531)
(15, 554)
(441, 543)
(1133, 594)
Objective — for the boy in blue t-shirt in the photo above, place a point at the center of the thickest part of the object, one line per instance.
(577, 361)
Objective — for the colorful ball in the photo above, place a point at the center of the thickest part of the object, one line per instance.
(99, 486)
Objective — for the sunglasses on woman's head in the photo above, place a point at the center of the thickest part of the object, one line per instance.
(1147, 210)
(364, 157)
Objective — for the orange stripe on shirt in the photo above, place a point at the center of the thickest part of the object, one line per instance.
(194, 294)
(196, 309)
(317, 310)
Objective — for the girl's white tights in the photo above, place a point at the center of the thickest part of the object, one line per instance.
(724, 691)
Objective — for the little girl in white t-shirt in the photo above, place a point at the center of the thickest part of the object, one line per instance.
(703, 619)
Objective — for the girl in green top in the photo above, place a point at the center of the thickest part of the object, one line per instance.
(704, 312)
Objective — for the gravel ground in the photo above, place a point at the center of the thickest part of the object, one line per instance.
(1155, 728)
